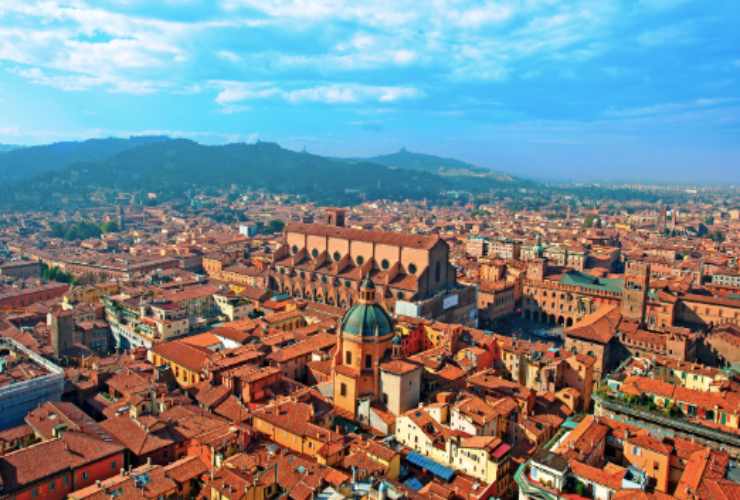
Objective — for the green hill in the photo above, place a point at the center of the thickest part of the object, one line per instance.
(25, 163)
(408, 160)
(172, 167)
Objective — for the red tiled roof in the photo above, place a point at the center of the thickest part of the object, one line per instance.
(398, 239)
(598, 327)
(183, 354)
(72, 450)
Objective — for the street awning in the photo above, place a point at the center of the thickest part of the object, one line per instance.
(430, 465)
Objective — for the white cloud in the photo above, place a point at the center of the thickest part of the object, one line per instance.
(333, 94)
(94, 46)
(378, 13)
(79, 82)
(233, 92)
(670, 107)
(404, 56)
(227, 55)
(478, 16)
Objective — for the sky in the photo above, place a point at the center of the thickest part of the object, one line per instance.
(632, 90)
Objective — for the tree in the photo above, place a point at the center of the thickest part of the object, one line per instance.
(276, 226)
(717, 236)
(109, 227)
(580, 489)
(56, 274)
(592, 221)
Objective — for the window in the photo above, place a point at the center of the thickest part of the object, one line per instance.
(35, 492)
(348, 357)
(342, 389)
(385, 264)
(360, 260)
(412, 268)
(368, 361)
(337, 256)
(114, 465)
(84, 476)
(315, 253)
(437, 272)
(636, 451)
(294, 248)
(53, 485)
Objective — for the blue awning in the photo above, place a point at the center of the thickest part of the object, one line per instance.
(427, 463)
(413, 484)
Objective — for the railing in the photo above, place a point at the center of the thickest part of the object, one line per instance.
(674, 423)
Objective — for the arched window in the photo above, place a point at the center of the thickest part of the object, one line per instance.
(315, 253)
(337, 256)
(360, 260)
(294, 248)
(412, 268)
(385, 264)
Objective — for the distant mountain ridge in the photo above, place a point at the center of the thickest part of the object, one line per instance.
(75, 174)
(24, 163)
(408, 160)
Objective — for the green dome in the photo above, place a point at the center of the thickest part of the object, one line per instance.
(367, 320)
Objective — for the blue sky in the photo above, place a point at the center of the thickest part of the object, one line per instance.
(594, 89)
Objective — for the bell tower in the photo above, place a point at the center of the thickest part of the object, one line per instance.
(365, 341)
(334, 217)
(634, 295)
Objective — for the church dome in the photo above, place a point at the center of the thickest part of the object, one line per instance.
(366, 318)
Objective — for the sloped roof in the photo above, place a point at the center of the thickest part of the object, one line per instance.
(388, 238)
